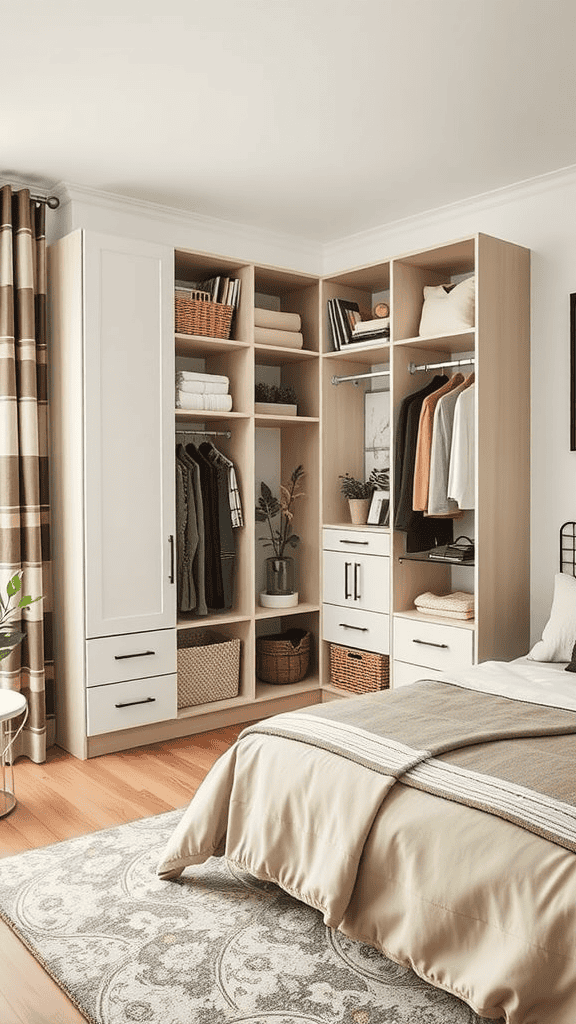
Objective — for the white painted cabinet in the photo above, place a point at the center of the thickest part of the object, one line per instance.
(129, 436)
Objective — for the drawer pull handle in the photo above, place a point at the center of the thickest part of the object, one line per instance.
(361, 629)
(346, 567)
(430, 643)
(357, 657)
(171, 542)
(131, 703)
(365, 543)
(357, 594)
(138, 654)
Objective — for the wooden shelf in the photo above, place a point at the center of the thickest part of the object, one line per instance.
(366, 354)
(277, 355)
(193, 415)
(443, 620)
(207, 621)
(277, 613)
(264, 420)
(462, 341)
(271, 691)
(195, 345)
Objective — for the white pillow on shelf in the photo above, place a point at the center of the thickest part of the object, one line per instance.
(448, 308)
(559, 635)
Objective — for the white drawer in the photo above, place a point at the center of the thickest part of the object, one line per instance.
(127, 705)
(352, 627)
(357, 580)
(432, 644)
(362, 541)
(112, 659)
(404, 674)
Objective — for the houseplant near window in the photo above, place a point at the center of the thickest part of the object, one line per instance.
(10, 635)
(359, 493)
(280, 566)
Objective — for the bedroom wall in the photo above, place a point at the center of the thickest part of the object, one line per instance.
(537, 214)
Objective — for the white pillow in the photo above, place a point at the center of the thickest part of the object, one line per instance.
(448, 308)
(559, 634)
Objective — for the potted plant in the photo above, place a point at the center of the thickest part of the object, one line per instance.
(10, 635)
(359, 493)
(280, 566)
(281, 397)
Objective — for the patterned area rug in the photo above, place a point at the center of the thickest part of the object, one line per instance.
(216, 947)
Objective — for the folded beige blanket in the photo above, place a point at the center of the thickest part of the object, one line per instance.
(277, 320)
(458, 605)
(268, 336)
(215, 403)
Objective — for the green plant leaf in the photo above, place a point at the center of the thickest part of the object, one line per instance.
(14, 585)
(266, 492)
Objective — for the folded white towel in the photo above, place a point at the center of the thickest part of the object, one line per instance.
(459, 604)
(277, 320)
(214, 403)
(203, 387)
(193, 375)
(267, 336)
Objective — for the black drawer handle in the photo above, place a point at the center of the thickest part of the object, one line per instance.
(430, 643)
(365, 543)
(138, 654)
(171, 542)
(361, 629)
(131, 703)
(357, 657)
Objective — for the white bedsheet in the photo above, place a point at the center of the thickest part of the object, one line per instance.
(534, 681)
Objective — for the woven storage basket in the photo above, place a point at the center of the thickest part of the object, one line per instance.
(196, 316)
(358, 671)
(208, 667)
(283, 657)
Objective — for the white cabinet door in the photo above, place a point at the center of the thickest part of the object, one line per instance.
(359, 581)
(129, 435)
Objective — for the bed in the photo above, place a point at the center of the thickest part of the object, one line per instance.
(436, 822)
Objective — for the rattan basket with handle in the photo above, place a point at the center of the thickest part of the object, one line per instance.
(283, 657)
(208, 667)
(358, 671)
(201, 317)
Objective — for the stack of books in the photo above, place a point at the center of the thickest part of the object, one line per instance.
(348, 328)
(217, 289)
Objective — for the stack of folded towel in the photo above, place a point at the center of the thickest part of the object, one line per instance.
(272, 327)
(202, 391)
(458, 605)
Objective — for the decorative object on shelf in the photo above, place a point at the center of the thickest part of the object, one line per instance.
(280, 591)
(461, 550)
(379, 511)
(381, 311)
(283, 657)
(359, 494)
(277, 399)
(208, 667)
(206, 311)
(358, 671)
(448, 308)
(10, 635)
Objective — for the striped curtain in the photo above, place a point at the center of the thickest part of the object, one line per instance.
(24, 497)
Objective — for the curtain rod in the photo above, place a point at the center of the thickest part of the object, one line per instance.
(51, 201)
(361, 376)
(437, 366)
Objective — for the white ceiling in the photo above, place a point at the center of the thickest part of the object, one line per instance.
(318, 118)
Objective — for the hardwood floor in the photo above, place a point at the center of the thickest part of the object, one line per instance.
(65, 798)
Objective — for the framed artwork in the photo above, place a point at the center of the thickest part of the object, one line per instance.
(379, 511)
(376, 431)
(573, 372)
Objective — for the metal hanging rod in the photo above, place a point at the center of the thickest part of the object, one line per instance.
(206, 433)
(437, 366)
(361, 376)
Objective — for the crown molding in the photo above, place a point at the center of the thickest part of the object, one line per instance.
(342, 253)
(230, 237)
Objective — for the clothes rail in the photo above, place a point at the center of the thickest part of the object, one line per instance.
(360, 376)
(206, 433)
(437, 366)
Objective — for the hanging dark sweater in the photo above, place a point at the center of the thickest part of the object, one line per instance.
(212, 560)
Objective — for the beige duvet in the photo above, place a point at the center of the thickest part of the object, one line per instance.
(473, 903)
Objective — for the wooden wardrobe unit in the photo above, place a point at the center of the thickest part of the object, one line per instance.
(114, 428)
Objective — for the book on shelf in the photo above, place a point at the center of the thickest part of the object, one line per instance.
(225, 290)
(379, 324)
(342, 315)
(357, 339)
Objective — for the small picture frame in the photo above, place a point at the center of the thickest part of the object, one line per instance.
(379, 512)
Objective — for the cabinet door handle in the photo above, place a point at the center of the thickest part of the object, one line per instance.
(346, 567)
(361, 629)
(430, 643)
(364, 543)
(137, 654)
(131, 703)
(357, 594)
(171, 542)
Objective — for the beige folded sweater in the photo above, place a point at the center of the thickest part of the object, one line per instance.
(458, 605)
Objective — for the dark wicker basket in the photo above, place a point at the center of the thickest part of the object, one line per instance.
(207, 319)
(358, 671)
(283, 657)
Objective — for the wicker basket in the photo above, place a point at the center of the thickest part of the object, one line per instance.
(197, 316)
(208, 667)
(283, 657)
(358, 671)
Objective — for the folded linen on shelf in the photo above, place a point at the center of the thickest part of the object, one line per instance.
(204, 387)
(189, 375)
(214, 403)
(277, 320)
(458, 605)
(269, 336)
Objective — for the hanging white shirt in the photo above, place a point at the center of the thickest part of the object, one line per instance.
(462, 452)
(439, 504)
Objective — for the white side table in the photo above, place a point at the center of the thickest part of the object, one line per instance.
(12, 704)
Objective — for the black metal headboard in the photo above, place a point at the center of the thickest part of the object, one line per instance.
(568, 548)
